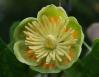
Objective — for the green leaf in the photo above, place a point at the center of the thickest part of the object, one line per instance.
(74, 71)
(91, 61)
(88, 66)
(10, 66)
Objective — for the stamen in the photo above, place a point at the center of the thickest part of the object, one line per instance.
(36, 25)
(48, 59)
(38, 50)
(52, 55)
(66, 54)
(35, 47)
(60, 53)
(44, 55)
(32, 31)
(45, 24)
(40, 54)
(44, 30)
(58, 58)
(30, 25)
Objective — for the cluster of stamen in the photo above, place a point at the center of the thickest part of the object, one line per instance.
(49, 40)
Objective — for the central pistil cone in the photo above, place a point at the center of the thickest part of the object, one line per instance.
(50, 42)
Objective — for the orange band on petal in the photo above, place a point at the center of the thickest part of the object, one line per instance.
(29, 54)
(74, 34)
(71, 54)
(54, 19)
(66, 61)
(50, 66)
(65, 30)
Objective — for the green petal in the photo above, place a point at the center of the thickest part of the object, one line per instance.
(19, 51)
(62, 66)
(18, 33)
(42, 70)
(52, 11)
(73, 23)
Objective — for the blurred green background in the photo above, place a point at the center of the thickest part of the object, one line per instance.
(86, 11)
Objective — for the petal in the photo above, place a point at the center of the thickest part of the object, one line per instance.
(74, 54)
(52, 11)
(45, 69)
(73, 23)
(75, 49)
(18, 32)
(21, 53)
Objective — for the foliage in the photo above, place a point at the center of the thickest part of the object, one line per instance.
(9, 66)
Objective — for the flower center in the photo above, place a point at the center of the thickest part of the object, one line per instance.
(50, 42)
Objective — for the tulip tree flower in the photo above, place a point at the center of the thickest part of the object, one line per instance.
(49, 43)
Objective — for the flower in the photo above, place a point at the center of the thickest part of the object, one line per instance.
(49, 43)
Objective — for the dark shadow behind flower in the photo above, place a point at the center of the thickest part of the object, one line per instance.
(66, 4)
